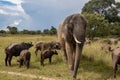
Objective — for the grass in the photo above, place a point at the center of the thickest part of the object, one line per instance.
(95, 63)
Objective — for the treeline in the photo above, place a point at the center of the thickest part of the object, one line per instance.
(14, 30)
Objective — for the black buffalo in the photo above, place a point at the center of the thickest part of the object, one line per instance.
(14, 49)
(47, 54)
(46, 45)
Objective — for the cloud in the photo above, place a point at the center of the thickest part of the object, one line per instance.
(12, 14)
(47, 13)
(15, 23)
(3, 12)
(15, 1)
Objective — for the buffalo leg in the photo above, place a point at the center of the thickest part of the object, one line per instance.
(36, 51)
(27, 64)
(42, 62)
(6, 59)
(21, 63)
(9, 59)
(50, 60)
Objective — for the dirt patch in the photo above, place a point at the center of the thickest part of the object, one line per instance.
(28, 75)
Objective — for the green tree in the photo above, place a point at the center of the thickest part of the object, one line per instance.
(25, 31)
(12, 30)
(38, 32)
(96, 25)
(2, 32)
(108, 8)
(53, 30)
(115, 29)
(46, 31)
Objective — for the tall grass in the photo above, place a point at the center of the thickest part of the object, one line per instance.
(95, 64)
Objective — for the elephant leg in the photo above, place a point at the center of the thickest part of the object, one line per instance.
(65, 56)
(69, 50)
(6, 59)
(77, 59)
(65, 59)
(115, 69)
(9, 59)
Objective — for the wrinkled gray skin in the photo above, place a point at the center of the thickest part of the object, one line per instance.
(71, 34)
(115, 59)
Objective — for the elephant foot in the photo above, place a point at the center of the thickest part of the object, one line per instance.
(74, 79)
(70, 72)
(114, 76)
(65, 60)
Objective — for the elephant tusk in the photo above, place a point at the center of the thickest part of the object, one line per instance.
(76, 40)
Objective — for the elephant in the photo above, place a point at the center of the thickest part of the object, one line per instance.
(71, 35)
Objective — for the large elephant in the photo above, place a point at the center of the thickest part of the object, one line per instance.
(71, 34)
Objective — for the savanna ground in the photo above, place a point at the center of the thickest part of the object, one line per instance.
(95, 63)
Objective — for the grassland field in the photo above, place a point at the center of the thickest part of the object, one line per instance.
(95, 64)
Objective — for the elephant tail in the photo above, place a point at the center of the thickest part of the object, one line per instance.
(76, 40)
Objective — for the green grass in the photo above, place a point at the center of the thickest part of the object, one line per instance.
(95, 63)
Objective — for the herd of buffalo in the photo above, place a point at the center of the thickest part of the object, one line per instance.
(71, 38)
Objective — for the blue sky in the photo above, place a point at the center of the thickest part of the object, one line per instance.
(37, 14)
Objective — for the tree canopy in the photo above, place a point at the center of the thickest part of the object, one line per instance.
(108, 8)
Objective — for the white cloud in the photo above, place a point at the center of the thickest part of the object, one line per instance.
(16, 22)
(15, 1)
(3, 12)
(15, 10)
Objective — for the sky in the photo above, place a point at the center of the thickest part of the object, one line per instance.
(37, 14)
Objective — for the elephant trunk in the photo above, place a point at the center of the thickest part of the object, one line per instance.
(77, 58)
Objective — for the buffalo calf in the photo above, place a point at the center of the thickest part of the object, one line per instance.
(47, 54)
(25, 56)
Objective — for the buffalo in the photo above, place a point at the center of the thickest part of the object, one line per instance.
(25, 56)
(46, 45)
(14, 49)
(47, 54)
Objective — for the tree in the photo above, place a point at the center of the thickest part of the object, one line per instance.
(108, 8)
(96, 25)
(12, 30)
(38, 32)
(2, 32)
(53, 30)
(46, 31)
